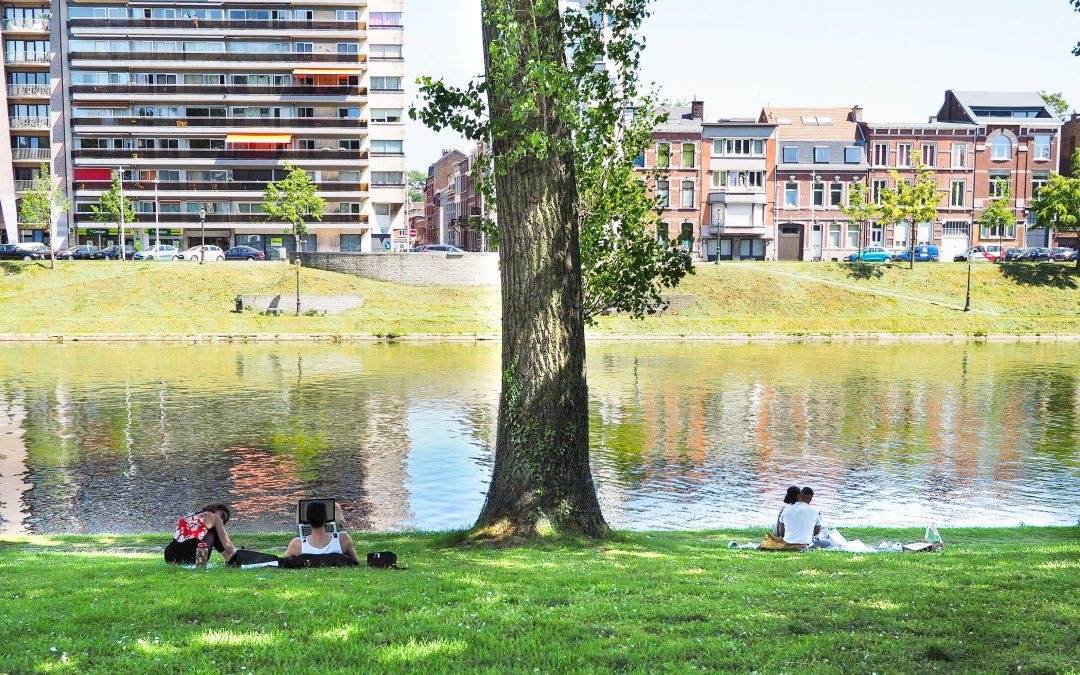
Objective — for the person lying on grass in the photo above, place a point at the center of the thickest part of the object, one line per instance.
(800, 522)
(320, 541)
(208, 527)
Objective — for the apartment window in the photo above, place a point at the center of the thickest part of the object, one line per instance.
(349, 243)
(348, 15)
(900, 235)
(957, 193)
(759, 148)
(881, 154)
(819, 194)
(999, 184)
(999, 232)
(791, 155)
(386, 84)
(853, 235)
(852, 155)
(688, 150)
(791, 195)
(663, 193)
(305, 144)
(303, 47)
(387, 178)
(663, 155)
(835, 230)
(386, 147)
(348, 48)
(878, 188)
(1000, 147)
(384, 19)
(959, 155)
(688, 194)
(639, 161)
(385, 51)
(836, 194)
(349, 143)
(903, 155)
(1038, 180)
(929, 154)
(385, 114)
(1042, 148)
(662, 231)
(956, 228)
(821, 155)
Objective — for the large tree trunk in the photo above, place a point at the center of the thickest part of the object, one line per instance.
(542, 475)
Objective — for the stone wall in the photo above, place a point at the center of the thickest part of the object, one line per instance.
(412, 269)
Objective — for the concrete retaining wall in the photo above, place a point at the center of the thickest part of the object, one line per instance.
(413, 269)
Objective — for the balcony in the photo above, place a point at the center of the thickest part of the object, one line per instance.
(28, 122)
(306, 123)
(29, 90)
(28, 58)
(215, 89)
(26, 25)
(226, 219)
(31, 153)
(219, 24)
(224, 186)
(291, 57)
(23, 185)
(334, 154)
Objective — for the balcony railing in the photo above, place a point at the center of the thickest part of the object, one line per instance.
(220, 24)
(28, 57)
(31, 153)
(222, 186)
(26, 25)
(29, 91)
(23, 185)
(28, 122)
(334, 154)
(217, 89)
(229, 218)
(301, 57)
(226, 122)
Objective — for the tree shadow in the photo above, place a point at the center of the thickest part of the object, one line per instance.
(8, 267)
(863, 271)
(1040, 274)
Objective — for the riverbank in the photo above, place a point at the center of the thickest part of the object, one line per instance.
(995, 600)
(758, 301)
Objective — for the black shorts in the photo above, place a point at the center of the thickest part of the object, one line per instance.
(183, 552)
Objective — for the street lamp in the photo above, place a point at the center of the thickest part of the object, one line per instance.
(967, 298)
(202, 228)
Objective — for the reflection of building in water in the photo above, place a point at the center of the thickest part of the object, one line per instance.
(386, 497)
(13, 488)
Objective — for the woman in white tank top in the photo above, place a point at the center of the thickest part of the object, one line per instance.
(320, 542)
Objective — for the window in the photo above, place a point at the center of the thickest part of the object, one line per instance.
(1042, 148)
(303, 47)
(999, 232)
(384, 19)
(835, 230)
(349, 243)
(925, 233)
(662, 231)
(903, 155)
(881, 154)
(956, 228)
(348, 48)
(385, 51)
(959, 155)
(836, 194)
(999, 184)
(878, 188)
(349, 207)
(821, 155)
(738, 179)
(1038, 180)
(385, 147)
(688, 194)
(819, 194)
(385, 114)
(381, 209)
(929, 154)
(852, 155)
(1000, 147)
(759, 148)
(791, 155)
(663, 193)
(791, 195)
(663, 154)
(688, 150)
(639, 161)
(386, 84)
(387, 178)
(852, 235)
(957, 193)
(900, 235)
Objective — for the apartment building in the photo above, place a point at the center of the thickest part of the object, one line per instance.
(439, 203)
(199, 106)
(1070, 143)
(739, 165)
(676, 151)
(820, 152)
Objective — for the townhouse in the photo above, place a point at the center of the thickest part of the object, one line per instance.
(676, 151)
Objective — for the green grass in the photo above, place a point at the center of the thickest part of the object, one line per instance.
(786, 298)
(995, 600)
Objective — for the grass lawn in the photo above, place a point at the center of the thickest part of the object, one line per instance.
(996, 600)
(82, 298)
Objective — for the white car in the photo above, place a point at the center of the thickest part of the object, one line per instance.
(977, 253)
(158, 252)
(210, 252)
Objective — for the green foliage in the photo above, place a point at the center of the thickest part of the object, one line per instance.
(1056, 101)
(1000, 213)
(861, 207)
(1076, 7)
(624, 267)
(1057, 206)
(293, 200)
(911, 202)
(40, 203)
(417, 181)
(110, 207)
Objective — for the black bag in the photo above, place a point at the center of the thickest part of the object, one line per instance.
(246, 557)
(309, 560)
(384, 560)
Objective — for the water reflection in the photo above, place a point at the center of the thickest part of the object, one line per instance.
(125, 437)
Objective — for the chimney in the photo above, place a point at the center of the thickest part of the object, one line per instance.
(933, 119)
(856, 112)
(697, 110)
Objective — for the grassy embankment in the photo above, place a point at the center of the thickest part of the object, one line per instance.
(787, 298)
(996, 600)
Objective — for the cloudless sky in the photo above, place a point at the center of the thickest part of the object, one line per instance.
(895, 58)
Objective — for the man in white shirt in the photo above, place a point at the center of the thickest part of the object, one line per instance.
(799, 522)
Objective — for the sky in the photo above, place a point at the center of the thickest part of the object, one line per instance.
(895, 59)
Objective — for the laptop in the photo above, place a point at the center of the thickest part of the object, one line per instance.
(304, 527)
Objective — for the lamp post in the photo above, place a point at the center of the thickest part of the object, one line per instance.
(967, 297)
(202, 228)
(122, 250)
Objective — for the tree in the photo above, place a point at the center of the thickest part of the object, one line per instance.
(544, 116)
(999, 214)
(40, 204)
(417, 182)
(113, 207)
(912, 202)
(293, 200)
(1056, 102)
(861, 208)
(1057, 206)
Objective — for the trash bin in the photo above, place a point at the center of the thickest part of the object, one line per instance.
(239, 305)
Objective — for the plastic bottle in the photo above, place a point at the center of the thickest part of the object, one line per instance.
(202, 554)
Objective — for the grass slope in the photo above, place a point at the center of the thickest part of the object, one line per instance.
(994, 601)
(793, 298)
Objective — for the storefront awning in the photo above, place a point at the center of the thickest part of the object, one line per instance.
(258, 138)
(340, 70)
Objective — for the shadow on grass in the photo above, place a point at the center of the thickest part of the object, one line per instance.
(1040, 274)
(9, 267)
(863, 270)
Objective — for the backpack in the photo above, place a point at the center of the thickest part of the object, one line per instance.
(383, 560)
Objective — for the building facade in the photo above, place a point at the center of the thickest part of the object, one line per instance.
(676, 154)
(198, 107)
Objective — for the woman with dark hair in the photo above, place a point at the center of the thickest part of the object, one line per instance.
(791, 497)
(320, 541)
(205, 527)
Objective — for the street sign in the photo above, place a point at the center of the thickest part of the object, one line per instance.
(412, 234)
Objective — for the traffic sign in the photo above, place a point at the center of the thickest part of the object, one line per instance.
(412, 234)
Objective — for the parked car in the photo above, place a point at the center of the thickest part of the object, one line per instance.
(158, 252)
(1011, 254)
(244, 253)
(1068, 257)
(922, 254)
(870, 254)
(210, 252)
(439, 248)
(993, 250)
(83, 252)
(977, 253)
(113, 253)
(34, 251)
(1038, 254)
(1064, 253)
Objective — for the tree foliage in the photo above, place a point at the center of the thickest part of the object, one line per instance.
(999, 214)
(1057, 206)
(293, 200)
(1056, 102)
(911, 202)
(110, 206)
(861, 207)
(1076, 7)
(624, 266)
(40, 204)
(417, 182)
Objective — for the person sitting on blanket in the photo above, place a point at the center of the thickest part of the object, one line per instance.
(321, 542)
(791, 497)
(206, 526)
(800, 522)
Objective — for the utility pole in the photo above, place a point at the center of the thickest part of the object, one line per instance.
(202, 228)
(157, 220)
(122, 250)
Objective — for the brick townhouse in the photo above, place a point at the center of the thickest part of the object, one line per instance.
(437, 198)
(1070, 142)
(676, 149)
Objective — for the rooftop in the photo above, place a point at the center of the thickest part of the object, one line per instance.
(813, 124)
